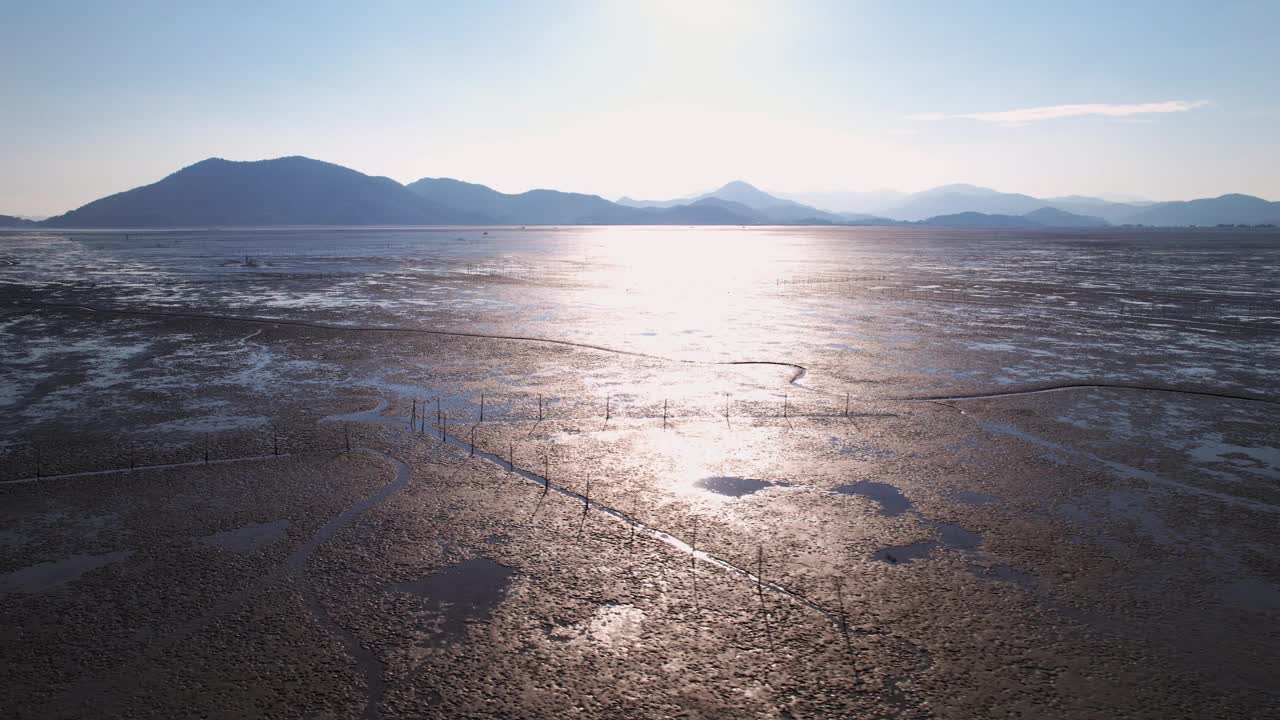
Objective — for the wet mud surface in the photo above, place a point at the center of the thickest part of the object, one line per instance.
(813, 484)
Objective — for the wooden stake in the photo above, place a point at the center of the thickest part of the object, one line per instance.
(346, 435)
(635, 505)
(481, 407)
(693, 545)
(444, 425)
(664, 414)
(413, 416)
(760, 572)
(844, 622)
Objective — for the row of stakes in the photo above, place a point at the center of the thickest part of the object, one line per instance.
(546, 477)
(419, 421)
(442, 421)
(205, 454)
(842, 620)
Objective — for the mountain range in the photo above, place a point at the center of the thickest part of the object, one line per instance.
(302, 191)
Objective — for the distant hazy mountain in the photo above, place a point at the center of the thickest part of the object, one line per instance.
(9, 221)
(979, 220)
(957, 199)
(1043, 217)
(552, 207)
(771, 208)
(284, 191)
(1224, 210)
(961, 199)
(1111, 211)
(864, 204)
(1054, 217)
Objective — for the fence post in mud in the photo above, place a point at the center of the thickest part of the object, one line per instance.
(473, 441)
(206, 447)
(693, 544)
(635, 509)
(785, 407)
(346, 436)
(844, 621)
(413, 416)
(539, 408)
(760, 573)
(444, 425)
(846, 404)
(607, 398)
(481, 407)
(664, 414)
(438, 414)
(37, 447)
(546, 473)
(511, 456)
(586, 497)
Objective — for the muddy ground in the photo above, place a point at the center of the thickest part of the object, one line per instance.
(869, 489)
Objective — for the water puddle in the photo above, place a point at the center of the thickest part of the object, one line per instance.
(976, 498)
(248, 538)
(1252, 594)
(891, 501)
(956, 537)
(898, 554)
(736, 486)
(1004, 573)
(460, 594)
(950, 536)
(47, 576)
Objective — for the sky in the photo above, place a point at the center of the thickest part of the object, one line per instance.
(651, 99)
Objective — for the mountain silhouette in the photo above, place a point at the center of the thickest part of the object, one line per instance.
(769, 208)
(535, 207)
(9, 221)
(971, 219)
(284, 191)
(1224, 210)
(1112, 211)
(1055, 217)
(1043, 217)
(552, 207)
(957, 199)
(303, 191)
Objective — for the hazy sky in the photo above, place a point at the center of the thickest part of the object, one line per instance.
(652, 98)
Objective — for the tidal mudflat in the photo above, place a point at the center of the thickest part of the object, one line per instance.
(640, 472)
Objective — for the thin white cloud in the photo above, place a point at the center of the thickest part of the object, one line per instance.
(1024, 116)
